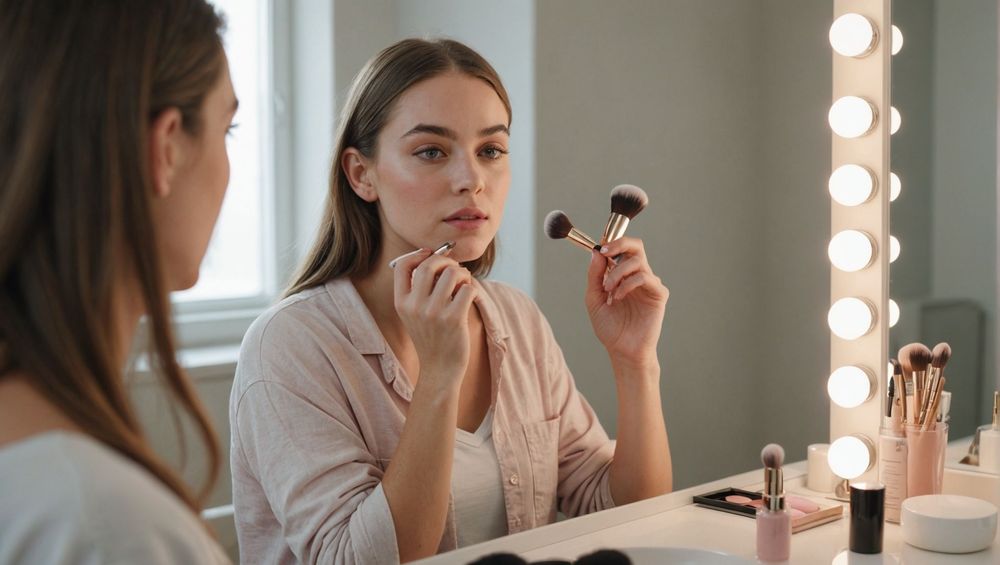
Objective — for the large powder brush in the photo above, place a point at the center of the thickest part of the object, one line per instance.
(626, 202)
(559, 226)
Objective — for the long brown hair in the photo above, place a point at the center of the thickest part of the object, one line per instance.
(80, 83)
(350, 233)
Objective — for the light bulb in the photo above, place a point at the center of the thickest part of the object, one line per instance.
(897, 40)
(852, 117)
(893, 313)
(850, 386)
(850, 456)
(851, 185)
(851, 318)
(853, 35)
(893, 248)
(895, 120)
(895, 187)
(851, 250)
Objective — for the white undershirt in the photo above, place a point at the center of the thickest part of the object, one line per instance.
(477, 487)
(66, 499)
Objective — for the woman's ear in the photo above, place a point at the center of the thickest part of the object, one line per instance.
(358, 170)
(164, 150)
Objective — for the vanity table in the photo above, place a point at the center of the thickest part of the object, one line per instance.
(672, 520)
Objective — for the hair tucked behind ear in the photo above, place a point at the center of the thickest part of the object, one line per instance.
(350, 232)
(79, 84)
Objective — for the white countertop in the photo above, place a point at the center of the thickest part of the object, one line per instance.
(672, 520)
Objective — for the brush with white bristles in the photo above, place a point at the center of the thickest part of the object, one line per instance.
(773, 457)
(559, 226)
(626, 202)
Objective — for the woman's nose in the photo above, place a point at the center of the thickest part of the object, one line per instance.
(468, 175)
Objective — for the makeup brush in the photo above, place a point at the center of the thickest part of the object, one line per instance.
(773, 456)
(559, 226)
(920, 359)
(897, 377)
(939, 358)
(626, 202)
(912, 408)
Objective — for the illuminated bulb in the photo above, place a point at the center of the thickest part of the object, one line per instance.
(852, 116)
(893, 248)
(851, 318)
(853, 35)
(850, 386)
(897, 40)
(851, 185)
(895, 187)
(851, 250)
(850, 456)
(893, 313)
(895, 120)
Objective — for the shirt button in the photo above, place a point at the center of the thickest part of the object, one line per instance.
(514, 479)
(516, 521)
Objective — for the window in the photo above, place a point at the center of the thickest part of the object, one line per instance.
(242, 271)
(234, 267)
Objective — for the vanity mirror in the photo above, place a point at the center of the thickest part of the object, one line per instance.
(944, 83)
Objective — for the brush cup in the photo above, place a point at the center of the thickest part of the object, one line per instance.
(925, 459)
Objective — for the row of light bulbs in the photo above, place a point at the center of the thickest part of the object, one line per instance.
(849, 318)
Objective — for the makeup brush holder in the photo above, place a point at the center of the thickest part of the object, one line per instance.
(925, 459)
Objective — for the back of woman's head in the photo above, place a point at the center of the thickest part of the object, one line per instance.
(350, 232)
(80, 82)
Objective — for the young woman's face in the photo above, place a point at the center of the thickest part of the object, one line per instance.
(441, 171)
(186, 217)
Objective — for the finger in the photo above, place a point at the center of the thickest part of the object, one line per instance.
(595, 276)
(635, 281)
(426, 274)
(403, 272)
(464, 296)
(447, 283)
(622, 270)
(626, 247)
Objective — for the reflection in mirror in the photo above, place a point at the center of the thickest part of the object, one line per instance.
(944, 83)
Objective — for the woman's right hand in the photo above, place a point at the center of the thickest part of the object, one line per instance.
(433, 294)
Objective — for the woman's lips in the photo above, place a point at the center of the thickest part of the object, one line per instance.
(466, 224)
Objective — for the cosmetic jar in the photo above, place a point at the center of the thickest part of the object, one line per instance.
(948, 523)
(867, 517)
(819, 478)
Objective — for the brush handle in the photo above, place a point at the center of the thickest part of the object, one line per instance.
(931, 419)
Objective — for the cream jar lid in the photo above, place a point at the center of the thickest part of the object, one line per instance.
(948, 523)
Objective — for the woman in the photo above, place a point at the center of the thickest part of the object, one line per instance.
(113, 166)
(382, 414)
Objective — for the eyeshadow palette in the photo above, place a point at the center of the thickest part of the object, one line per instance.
(805, 512)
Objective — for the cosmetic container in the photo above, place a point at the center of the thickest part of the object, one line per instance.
(925, 459)
(774, 521)
(989, 442)
(892, 452)
(989, 451)
(867, 517)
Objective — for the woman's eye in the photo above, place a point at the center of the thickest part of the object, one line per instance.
(493, 152)
(229, 130)
(430, 153)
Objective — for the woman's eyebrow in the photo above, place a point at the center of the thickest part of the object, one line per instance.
(450, 134)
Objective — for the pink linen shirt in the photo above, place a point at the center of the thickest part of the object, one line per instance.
(318, 405)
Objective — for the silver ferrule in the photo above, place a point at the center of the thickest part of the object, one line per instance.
(615, 228)
(581, 239)
(774, 489)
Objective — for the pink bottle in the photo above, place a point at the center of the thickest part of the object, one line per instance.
(774, 522)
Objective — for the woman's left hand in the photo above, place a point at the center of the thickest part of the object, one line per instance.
(626, 304)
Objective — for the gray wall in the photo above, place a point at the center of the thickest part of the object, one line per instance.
(945, 85)
(717, 109)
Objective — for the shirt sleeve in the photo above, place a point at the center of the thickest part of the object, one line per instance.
(585, 451)
(321, 482)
